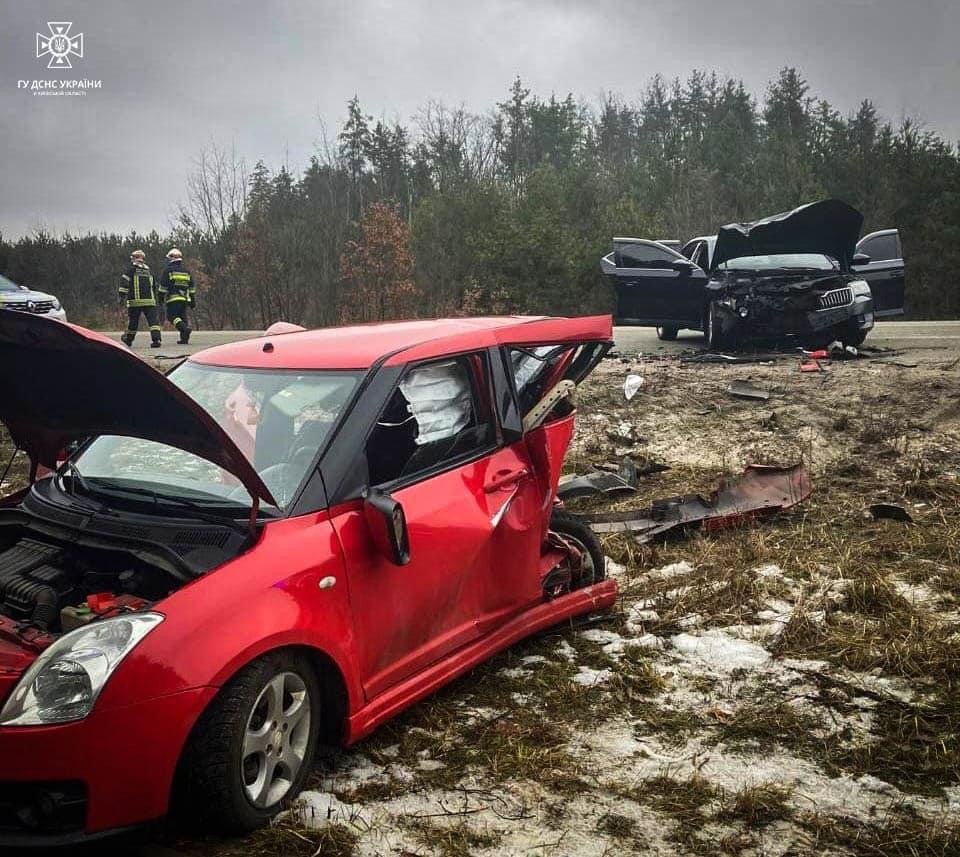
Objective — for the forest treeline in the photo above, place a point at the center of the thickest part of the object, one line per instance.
(460, 213)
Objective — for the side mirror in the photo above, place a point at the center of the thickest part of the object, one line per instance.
(388, 526)
(684, 266)
(860, 259)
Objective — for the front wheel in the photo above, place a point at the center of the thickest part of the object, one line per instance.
(579, 534)
(251, 751)
(851, 334)
(713, 328)
(667, 333)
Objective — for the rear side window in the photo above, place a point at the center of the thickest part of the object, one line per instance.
(437, 415)
(644, 256)
(881, 248)
(699, 257)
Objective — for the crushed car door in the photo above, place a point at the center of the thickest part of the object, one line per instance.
(655, 284)
(884, 271)
(434, 449)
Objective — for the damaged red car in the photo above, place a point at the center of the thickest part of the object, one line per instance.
(285, 541)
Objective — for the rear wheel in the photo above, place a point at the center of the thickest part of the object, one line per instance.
(579, 534)
(667, 333)
(251, 751)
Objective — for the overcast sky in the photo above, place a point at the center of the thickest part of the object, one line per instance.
(261, 74)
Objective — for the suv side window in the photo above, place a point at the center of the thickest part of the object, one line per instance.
(699, 257)
(437, 415)
(881, 248)
(645, 256)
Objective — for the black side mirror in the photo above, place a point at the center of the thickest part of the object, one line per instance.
(684, 266)
(860, 259)
(388, 526)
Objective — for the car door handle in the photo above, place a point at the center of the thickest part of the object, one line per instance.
(504, 479)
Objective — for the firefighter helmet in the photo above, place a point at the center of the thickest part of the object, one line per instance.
(138, 254)
(174, 253)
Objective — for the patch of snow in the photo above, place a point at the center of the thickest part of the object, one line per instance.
(674, 569)
(514, 672)
(533, 660)
(589, 677)
(720, 651)
(691, 620)
(613, 569)
(566, 651)
(600, 636)
(649, 641)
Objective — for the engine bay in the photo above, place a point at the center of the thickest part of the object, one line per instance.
(54, 587)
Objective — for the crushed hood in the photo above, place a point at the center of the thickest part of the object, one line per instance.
(829, 226)
(62, 383)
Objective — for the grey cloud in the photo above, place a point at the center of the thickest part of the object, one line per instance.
(259, 74)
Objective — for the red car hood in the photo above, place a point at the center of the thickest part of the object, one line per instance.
(62, 383)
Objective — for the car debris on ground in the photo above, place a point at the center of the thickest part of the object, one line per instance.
(760, 491)
(745, 390)
(888, 511)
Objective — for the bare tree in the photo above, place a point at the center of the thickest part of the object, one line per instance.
(216, 192)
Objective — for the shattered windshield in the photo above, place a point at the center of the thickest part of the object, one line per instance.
(278, 419)
(781, 261)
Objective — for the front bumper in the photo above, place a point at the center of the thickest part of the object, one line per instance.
(124, 758)
(859, 311)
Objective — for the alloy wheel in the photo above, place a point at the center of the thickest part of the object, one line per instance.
(275, 739)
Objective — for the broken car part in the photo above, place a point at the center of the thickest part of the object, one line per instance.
(746, 390)
(888, 511)
(758, 492)
(593, 483)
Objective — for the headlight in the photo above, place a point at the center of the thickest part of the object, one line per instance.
(64, 682)
(861, 287)
(56, 303)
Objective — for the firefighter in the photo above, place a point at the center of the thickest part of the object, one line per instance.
(178, 292)
(136, 288)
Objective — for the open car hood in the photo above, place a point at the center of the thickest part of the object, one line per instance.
(62, 383)
(829, 226)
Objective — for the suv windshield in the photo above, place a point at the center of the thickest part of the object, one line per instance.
(781, 261)
(278, 419)
(8, 285)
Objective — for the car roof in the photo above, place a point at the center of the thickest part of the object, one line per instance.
(361, 346)
(877, 233)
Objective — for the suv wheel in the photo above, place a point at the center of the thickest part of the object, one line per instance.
(251, 751)
(667, 334)
(713, 328)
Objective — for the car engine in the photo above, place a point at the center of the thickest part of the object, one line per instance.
(55, 588)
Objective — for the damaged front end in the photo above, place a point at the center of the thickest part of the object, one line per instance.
(751, 304)
(789, 275)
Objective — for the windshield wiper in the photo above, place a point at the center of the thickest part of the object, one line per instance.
(165, 499)
(68, 468)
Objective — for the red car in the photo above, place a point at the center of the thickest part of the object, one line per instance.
(286, 540)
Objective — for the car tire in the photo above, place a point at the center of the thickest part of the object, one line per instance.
(851, 334)
(578, 531)
(222, 779)
(667, 334)
(713, 328)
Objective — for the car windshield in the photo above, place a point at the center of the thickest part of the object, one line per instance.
(781, 261)
(8, 285)
(278, 419)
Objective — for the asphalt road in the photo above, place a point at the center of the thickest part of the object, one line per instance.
(901, 335)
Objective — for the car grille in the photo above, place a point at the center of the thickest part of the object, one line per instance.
(836, 298)
(29, 306)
